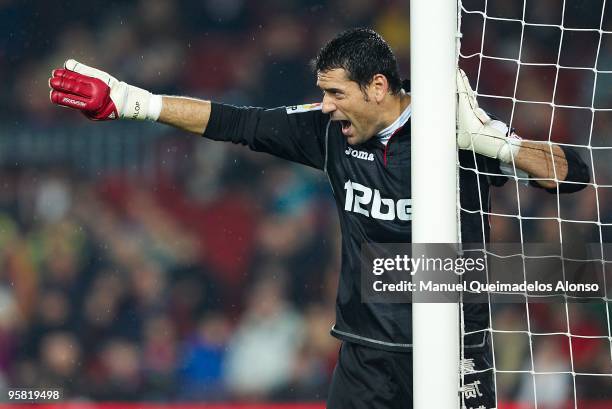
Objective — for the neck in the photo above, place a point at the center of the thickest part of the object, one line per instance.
(404, 101)
(396, 105)
(386, 133)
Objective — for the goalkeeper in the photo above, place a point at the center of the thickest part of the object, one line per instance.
(360, 136)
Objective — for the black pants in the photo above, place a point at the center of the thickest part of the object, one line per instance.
(375, 379)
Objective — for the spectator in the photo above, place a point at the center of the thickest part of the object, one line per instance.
(265, 342)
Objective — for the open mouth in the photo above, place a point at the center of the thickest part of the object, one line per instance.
(346, 127)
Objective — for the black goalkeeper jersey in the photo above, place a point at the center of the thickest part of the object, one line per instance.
(371, 186)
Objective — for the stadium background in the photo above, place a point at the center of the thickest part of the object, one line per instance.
(138, 263)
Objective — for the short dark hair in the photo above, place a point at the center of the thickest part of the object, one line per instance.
(362, 53)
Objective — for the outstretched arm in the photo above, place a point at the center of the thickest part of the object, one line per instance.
(188, 114)
(102, 97)
(296, 135)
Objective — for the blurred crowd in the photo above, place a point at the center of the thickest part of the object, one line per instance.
(119, 292)
(228, 50)
(211, 273)
(216, 278)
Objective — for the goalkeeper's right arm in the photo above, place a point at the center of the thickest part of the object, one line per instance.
(102, 97)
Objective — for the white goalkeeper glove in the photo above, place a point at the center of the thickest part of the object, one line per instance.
(477, 131)
(101, 96)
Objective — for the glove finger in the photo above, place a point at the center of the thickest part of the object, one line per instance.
(460, 83)
(69, 100)
(467, 87)
(76, 66)
(465, 90)
(482, 115)
(71, 86)
(461, 88)
(460, 75)
(64, 73)
(58, 72)
(464, 81)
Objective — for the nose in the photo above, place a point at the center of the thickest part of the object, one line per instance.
(327, 106)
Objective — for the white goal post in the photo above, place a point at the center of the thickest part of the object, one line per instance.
(545, 69)
(433, 58)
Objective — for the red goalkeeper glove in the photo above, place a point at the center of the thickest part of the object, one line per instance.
(101, 96)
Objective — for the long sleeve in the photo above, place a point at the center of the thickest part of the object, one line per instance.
(293, 133)
(577, 172)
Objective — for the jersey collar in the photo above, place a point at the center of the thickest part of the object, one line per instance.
(384, 135)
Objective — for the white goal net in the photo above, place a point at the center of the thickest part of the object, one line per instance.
(544, 67)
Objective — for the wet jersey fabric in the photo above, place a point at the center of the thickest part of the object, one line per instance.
(371, 187)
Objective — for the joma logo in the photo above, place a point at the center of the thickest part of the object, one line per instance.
(359, 154)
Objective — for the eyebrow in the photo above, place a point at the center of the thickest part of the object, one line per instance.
(331, 89)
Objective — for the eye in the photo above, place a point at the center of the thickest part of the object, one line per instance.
(334, 93)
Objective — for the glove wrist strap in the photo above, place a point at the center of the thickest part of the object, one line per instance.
(155, 107)
(141, 105)
(509, 150)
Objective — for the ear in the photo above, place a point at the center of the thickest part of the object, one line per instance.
(379, 87)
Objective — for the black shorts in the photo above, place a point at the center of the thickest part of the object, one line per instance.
(375, 379)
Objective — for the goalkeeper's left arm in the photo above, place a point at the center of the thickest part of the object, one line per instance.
(545, 162)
